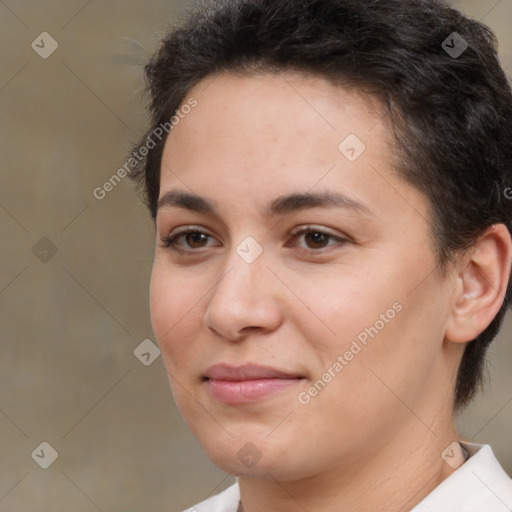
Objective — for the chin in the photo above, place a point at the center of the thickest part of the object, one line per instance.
(256, 456)
(238, 463)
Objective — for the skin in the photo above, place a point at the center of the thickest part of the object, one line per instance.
(372, 438)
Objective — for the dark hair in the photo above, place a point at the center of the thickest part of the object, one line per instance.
(450, 114)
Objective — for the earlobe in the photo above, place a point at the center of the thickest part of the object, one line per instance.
(481, 284)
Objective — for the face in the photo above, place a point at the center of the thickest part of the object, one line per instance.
(294, 292)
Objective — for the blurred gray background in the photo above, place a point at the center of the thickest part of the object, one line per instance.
(74, 272)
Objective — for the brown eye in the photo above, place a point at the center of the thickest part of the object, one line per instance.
(190, 240)
(316, 239)
(196, 240)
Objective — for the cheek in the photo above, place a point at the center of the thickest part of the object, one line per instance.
(174, 308)
(341, 303)
(375, 320)
(176, 319)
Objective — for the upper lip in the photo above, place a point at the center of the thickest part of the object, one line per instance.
(247, 372)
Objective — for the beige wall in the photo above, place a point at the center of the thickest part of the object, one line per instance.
(69, 325)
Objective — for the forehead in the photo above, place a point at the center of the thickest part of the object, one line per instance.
(304, 106)
(261, 135)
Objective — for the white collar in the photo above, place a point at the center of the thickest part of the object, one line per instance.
(479, 485)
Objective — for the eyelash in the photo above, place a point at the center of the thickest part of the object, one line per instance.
(170, 242)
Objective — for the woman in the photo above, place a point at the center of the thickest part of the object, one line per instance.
(333, 252)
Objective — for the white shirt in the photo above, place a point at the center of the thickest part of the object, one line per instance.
(479, 485)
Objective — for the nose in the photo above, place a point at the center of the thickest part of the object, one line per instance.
(245, 299)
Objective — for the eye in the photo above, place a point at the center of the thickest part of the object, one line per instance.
(316, 239)
(187, 240)
(192, 240)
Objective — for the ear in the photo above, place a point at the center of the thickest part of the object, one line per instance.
(480, 286)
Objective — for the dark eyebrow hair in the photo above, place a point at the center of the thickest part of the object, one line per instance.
(299, 201)
(188, 201)
(279, 206)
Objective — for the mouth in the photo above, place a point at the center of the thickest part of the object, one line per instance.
(249, 383)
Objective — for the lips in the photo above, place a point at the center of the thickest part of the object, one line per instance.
(246, 372)
(248, 383)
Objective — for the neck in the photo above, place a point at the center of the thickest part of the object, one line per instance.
(391, 477)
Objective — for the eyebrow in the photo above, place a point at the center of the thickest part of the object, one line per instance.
(280, 206)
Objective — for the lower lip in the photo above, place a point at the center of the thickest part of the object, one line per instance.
(247, 391)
